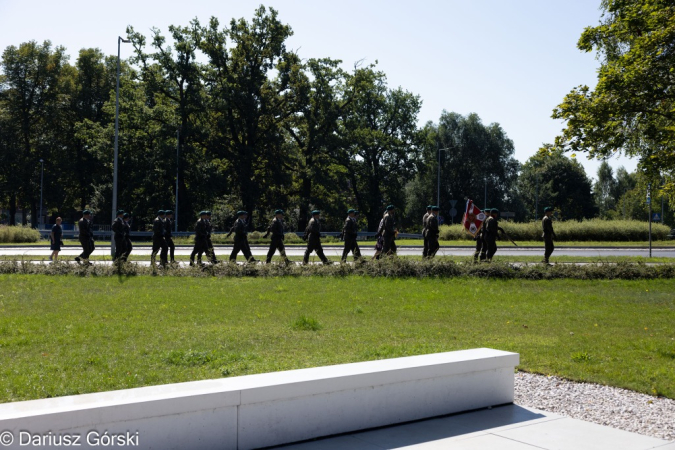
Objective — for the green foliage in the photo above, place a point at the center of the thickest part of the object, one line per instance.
(387, 268)
(571, 230)
(549, 178)
(631, 109)
(303, 323)
(18, 234)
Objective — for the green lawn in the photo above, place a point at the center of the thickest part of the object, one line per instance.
(69, 335)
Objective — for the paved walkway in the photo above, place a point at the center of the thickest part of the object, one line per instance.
(510, 427)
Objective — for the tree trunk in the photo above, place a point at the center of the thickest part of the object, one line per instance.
(12, 209)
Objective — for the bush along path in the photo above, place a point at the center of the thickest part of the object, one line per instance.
(388, 268)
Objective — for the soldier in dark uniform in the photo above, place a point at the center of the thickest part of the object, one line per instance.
(168, 227)
(389, 232)
(210, 250)
(241, 239)
(548, 234)
(201, 244)
(118, 235)
(128, 247)
(85, 225)
(313, 236)
(350, 232)
(276, 229)
(481, 248)
(491, 229)
(158, 241)
(425, 252)
(433, 232)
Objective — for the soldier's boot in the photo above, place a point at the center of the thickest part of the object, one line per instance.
(327, 262)
(268, 261)
(251, 259)
(192, 262)
(78, 260)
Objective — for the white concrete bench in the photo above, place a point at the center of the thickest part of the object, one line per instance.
(273, 408)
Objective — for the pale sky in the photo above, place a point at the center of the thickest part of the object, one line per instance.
(511, 62)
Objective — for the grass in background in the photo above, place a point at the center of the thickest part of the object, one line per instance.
(70, 335)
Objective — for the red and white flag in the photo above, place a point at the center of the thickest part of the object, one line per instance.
(473, 218)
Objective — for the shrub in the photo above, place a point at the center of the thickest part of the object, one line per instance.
(18, 234)
(587, 230)
(303, 323)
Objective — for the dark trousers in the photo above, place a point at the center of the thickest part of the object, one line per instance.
(276, 244)
(433, 245)
(87, 247)
(351, 246)
(389, 247)
(491, 248)
(120, 246)
(128, 247)
(548, 248)
(241, 245)
(425, 252)
(314, 245)
(171, 246)
(480, 245)
(157, 244)
(201, 247)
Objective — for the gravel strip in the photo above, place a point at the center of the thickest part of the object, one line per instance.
(604, 405)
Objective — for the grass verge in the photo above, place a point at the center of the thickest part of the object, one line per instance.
(71, 335)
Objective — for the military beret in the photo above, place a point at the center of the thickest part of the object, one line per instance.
(390, 207)
(435, 208)
(315, 212)
(495, 210)
(241, 213)
(548, 208)
(430, 206)
(202, 213)
(208, 213)
(126, 215)
(168, 211)
(120, 211)
(85, 212)
(279, 211)
(487, 210)
(161, 212)
(351, 211)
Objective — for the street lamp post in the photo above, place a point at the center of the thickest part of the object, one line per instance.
(438, 186)
(42, 177)
(177, 168)
(117, 126)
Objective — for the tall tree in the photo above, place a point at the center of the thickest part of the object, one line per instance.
(29, 95)
(605, 190)
(475, 158)
(248, 82)
(381, 143)
(632, 108)
(549, 178)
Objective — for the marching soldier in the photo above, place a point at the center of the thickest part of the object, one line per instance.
(85, 225)
(168, 226)
(491, 229)
(276, 229)
(201, 244)
(241, 239)
(548, 234)
(118, 235)
(481, 248)
(313, 237)
(389, 232)
(349, 233)
(433, 232)
(211, 251)
(158, 241)
(128, 247)
(425, 252)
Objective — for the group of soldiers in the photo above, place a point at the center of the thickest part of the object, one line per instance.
(162, 241)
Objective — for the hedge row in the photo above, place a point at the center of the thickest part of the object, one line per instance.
(388, 268)
(18, 234)
(588, 230)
